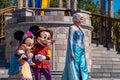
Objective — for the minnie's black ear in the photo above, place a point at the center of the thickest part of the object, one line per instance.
(18, 35)
(34, 29)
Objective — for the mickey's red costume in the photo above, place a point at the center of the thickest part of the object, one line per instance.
(42, 52)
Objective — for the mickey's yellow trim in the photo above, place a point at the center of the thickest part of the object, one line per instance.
(48, 53)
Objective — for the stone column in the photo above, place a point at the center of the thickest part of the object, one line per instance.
(60, 4)
(74, 5)
(20, 4)
(33, 3)
(26, 3)
(111, 8)
(110, 14)
(68, 4)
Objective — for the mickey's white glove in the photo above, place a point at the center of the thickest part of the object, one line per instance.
(40, 57)
(43, 57)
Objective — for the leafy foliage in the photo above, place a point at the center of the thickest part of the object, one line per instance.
(89, 5)
(53, 3)
(4, 4)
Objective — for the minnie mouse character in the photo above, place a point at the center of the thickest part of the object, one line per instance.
(42, 52)
(22, 59)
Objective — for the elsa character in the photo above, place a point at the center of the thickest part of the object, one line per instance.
(76, 65)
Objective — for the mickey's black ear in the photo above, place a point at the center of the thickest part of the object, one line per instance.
(34, 29)
(18, 35)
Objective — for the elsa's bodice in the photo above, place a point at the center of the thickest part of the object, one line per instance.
(78, 37)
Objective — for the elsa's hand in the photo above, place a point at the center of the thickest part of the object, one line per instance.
(72, 56)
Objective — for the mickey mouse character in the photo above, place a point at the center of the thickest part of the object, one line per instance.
(22, 59)
(42, 52)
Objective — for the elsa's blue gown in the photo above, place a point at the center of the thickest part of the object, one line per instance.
(75, 69)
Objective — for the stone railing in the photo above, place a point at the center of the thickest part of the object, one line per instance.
(29, 15)
(8, 9)
(3, 20)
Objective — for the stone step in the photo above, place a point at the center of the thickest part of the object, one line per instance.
(2, 40)
(102, 48)
(2, 51)
(2, 58)
(57, 72)
(103, 52)
(2, 46)
(105, 62)
(105, 75)
(110, 70)
(117, 66)
(3, 71)
(105, 55)
(56, 75)
(106, 59)
(5, 65)
(3, 61)
(99, 48)
(105, 79)
(97, 45)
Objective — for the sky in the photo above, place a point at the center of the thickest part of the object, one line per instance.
(116, 4)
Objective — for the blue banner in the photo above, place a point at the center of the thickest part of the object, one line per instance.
(38, 3)
(29, 3)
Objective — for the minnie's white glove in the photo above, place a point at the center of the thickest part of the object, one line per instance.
(23, 56)
(30, 62)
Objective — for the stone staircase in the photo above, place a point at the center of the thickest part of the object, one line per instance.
(56, 75)
(105, 63)
(3, 63)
